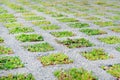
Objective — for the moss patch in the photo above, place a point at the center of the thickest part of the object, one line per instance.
(53, 59)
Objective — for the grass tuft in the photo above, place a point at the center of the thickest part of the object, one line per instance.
(53, 59)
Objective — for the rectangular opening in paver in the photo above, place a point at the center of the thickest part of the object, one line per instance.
(6, 15)
(28, 14)
(17, 7)
(100, 3)
(27, 3)
(29, 37)
(40, 47)
(50, 27)
(55, 14)
(12, 25)
(118, 48)
(115, 18)
(30, 18)
(53, 59)
(63, 34)
(5, 50)
(7, 18)
(115, 29)
(76, 43)
(40, 9)
(81, 14)
(113, 70)
(96, 54)
(110, 39)
(39, 23)
(104, 24)
(92, 18)
(79, 25)
(21, 30)
(18, 77)
(93, 31)
(74, 74)
(2, 10)
(8, 62)
(67, 20)
(1, 40)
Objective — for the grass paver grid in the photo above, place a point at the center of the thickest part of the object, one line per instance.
(56, 66)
